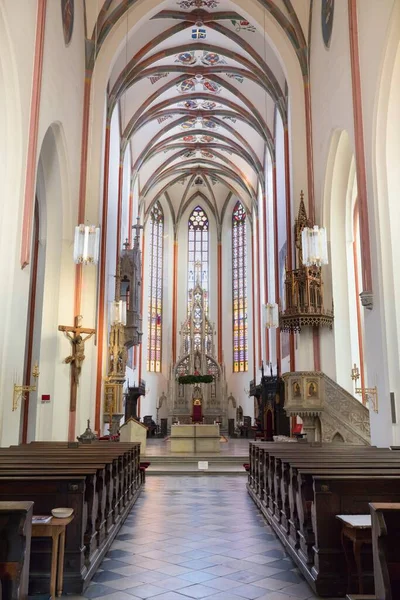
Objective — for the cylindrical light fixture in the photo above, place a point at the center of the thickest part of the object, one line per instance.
(314, 246)
(271, 315)
(86, 244)
(118, 312)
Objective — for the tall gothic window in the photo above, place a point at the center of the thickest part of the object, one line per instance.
(239, 289)
(198, 237)
(155, 289)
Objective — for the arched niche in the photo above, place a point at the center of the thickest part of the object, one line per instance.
(53, 293)
(342, 275)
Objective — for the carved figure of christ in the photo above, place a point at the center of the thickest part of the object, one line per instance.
(75, 336)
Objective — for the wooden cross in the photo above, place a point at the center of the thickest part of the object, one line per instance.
(74, 334)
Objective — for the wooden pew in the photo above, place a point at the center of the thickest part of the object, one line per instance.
(100, 481)
(301, 488)
(15, 546)
(385, 520)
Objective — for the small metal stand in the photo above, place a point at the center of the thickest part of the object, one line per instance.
(88, 436)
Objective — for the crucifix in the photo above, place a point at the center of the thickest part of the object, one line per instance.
(74, 335)
(137, 229)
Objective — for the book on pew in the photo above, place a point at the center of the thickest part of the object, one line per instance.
(41, 519)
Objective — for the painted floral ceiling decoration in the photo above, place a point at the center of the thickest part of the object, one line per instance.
(208, 105)
(189, 124)
(190, 4)
(209, 59)
(192, 84)
(186, 86)
(190, 104)
(196, 105)
(186, 58)
(209, 123)
(211, 86)
(206, 139)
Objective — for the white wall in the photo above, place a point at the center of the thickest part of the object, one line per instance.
(61, 108)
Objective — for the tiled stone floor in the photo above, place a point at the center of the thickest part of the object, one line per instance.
(197, 537)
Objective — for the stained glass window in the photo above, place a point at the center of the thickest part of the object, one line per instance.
(155, 288)
(239, 289)
(198, 253)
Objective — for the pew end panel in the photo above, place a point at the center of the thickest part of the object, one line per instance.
(15, 547)
(349, 495)
(47, 493)
(385, 518)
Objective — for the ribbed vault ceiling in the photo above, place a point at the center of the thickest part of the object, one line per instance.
(197, 112)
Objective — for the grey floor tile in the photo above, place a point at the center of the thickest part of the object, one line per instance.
(197, 591)
(260, 559)
(197, 576)
(148, 590)
(225, 596)
(124, 583)
(250, 591)
(170, 596)
(281, 596)
(245, 577)
(223, 584)
(173, 570)
(105, 576)
(201, 563)
(221, 570)
(271, 584)
(96, 590)
(130, 570)
(119, 596)
(174, 584)
(288, 576)
(301, 591)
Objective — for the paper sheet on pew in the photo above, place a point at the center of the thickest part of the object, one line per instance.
(202, 465)
(359, 521)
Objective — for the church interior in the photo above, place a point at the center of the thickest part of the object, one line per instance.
(199, 346)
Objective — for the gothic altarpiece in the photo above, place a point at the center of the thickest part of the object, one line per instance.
(202, 402)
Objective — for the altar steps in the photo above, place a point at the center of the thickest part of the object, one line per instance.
(189, 465)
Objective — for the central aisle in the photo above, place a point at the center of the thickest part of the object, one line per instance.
(197, 537)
